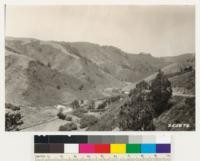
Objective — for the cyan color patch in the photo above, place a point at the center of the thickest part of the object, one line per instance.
(148, 148)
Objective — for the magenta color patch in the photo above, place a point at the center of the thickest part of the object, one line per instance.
(86, 148)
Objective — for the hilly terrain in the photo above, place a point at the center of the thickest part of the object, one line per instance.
(41, 75)
(52, 72)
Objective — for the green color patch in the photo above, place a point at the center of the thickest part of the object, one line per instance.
(133, 148)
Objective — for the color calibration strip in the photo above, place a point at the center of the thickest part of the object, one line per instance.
(80, 144)
(101, 157)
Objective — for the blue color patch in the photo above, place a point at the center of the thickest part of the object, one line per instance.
(148, 148)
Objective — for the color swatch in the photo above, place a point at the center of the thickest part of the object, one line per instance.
(133, 148)
(118, 148)
(148, 148)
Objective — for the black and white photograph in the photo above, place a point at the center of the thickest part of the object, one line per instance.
(99, 68)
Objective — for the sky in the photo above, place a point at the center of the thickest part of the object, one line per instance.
(159, 30)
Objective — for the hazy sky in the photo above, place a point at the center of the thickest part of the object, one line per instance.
(159, 30)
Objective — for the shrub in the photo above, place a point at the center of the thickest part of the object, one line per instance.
(49, 64)
(102, 105)
(58, 87)
(13, 119)
(68, 127)
(75, 104)
(79, 112)
(143, 85)
(91, 104)
(81, 87)
(68, 118)
(61, 115)
(88, 120)
(64, 116)
(12, 107)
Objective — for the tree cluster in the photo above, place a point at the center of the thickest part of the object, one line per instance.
(145, 102)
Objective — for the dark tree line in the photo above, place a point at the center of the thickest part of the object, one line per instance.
(145, 102)
(161, 92)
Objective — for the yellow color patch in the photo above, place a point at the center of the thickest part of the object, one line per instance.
(117, 148)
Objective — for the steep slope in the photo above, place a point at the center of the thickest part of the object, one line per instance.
(15, 77)
(29, 82)
(57, 57)
(123, 66)
(181, 116)
(44, 73)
